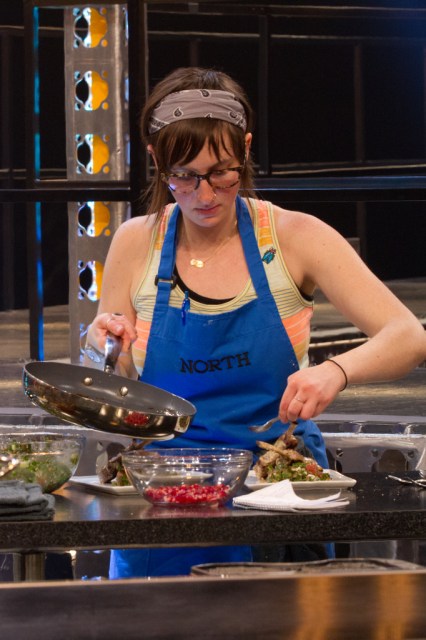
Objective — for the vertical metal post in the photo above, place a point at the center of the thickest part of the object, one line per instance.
(97, 120)
(263, 91)
(359, 103)
(194, 43)
(7, 223)
(424, 95)
(33, 210)
(29, 567)
(138, 91)
(361, 213)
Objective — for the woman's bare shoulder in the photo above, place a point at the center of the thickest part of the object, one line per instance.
(311, 247)
(130, 245)
(296, 220)
(141, 224)
(134, 232)
(295, 227)
(128, 252)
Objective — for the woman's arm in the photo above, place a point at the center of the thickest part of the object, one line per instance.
(124, 265)
(318, 256)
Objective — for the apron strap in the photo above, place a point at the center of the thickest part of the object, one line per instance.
(165, 278)
(251, 251)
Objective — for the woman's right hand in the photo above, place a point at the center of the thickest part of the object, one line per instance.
(115, 323)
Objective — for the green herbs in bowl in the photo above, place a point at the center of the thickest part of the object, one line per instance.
(47, 459)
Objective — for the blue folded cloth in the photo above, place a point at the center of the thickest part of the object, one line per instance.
(25, 501)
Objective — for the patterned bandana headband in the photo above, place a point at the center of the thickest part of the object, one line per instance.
(198, 103)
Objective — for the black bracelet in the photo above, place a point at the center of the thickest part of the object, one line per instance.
(341, 369)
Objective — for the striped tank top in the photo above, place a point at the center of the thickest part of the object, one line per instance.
(294, 309)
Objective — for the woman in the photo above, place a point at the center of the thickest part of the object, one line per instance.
(215, 290)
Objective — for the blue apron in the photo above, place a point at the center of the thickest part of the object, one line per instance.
(232, 366)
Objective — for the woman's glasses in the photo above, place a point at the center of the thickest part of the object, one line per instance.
(185, 182)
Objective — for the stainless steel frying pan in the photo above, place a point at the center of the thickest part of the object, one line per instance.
(104, 401)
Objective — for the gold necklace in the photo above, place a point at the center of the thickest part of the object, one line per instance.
(198, 263)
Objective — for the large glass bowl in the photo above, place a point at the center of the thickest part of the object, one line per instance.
(47, 459)
(188, 477)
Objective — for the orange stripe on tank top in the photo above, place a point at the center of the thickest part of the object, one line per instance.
(143, 328)
(298, 326)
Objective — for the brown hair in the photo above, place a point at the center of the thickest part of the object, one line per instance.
(182, 141)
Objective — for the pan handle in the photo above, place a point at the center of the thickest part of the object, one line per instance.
(113, 346)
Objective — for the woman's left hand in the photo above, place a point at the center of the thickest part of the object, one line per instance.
(309, 391)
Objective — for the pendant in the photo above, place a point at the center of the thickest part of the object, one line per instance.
(196, 263)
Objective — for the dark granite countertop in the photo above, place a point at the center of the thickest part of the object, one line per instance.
(379, 509)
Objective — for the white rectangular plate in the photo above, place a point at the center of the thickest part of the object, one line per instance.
(92, 482)
(337, 481)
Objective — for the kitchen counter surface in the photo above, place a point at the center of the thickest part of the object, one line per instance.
(379, 509)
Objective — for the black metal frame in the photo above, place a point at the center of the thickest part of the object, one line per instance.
(331, 189)
(344, 189)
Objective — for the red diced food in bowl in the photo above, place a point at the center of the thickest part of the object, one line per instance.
(189, 494)
(188, 477)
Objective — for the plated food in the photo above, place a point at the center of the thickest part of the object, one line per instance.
(92, 483)
(282, 461)
(113, 472)
(337, 481)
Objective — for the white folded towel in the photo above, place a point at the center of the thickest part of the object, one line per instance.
(280, 496)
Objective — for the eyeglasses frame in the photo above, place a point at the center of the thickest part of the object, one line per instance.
(198, 176)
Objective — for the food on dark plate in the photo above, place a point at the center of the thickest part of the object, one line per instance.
(282, 461)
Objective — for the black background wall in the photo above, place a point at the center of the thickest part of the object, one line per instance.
(311, 118)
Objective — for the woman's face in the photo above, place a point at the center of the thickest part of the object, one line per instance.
(206, 206)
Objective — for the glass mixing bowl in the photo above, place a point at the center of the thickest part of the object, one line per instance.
(47, 459)
(188, 477)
